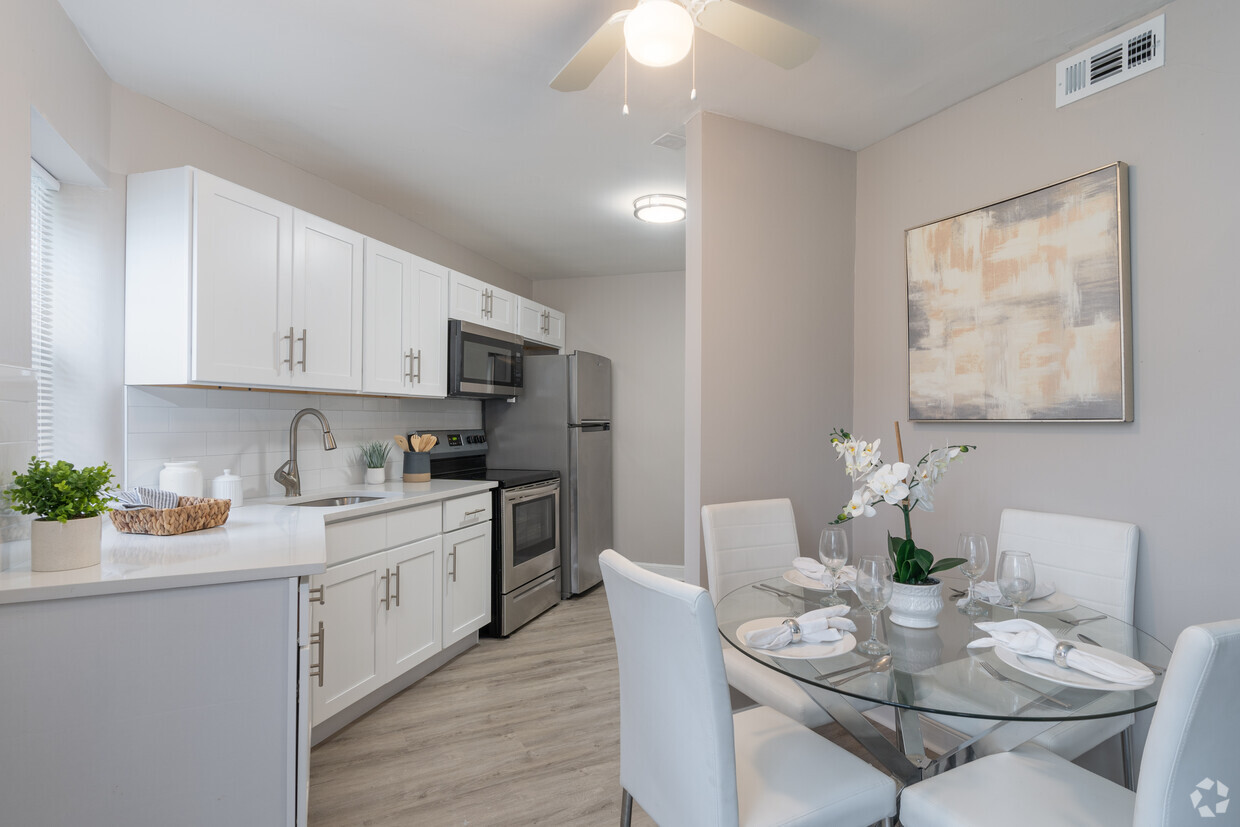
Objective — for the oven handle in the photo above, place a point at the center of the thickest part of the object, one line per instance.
(522, 494)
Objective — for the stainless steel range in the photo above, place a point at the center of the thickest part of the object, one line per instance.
(525, 547)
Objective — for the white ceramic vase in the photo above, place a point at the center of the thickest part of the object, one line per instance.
(916, 607)
(375, 476)
(57, 546)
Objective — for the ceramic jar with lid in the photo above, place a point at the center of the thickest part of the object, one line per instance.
(227, 486)
(182, 477)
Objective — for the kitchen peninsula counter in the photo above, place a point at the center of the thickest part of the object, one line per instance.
(263, 540)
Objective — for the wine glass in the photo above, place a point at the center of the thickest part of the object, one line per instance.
(1016, 577)
(975, 551)
(833, 552)
(873, 588)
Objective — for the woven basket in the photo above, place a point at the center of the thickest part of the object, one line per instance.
(191, 514)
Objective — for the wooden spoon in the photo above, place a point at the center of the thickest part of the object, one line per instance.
(428, 442)
(402, 443)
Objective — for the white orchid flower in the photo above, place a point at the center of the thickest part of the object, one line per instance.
(921, 496)
(891, 482)
(860, 505)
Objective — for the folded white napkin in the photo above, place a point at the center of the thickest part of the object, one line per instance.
(814, 570)
(819, 626)
(1024, 637)
(987, 591)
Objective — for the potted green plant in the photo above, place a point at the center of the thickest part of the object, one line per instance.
(375, 456)
(67, 503)
(917, 597)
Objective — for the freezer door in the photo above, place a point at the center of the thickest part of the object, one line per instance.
(589, 388)
(590, 517)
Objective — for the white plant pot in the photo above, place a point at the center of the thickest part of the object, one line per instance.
(56, 546)
(916, 607)
(375, 476)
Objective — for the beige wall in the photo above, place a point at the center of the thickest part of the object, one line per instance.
(638, 322)
(770, 272)
(1176, 127)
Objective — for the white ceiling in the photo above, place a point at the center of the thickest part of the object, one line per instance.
(441, 110)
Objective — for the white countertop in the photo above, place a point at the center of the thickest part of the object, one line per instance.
(262, 540)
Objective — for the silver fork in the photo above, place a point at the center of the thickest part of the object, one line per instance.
(1077, 621)
(1002, 678)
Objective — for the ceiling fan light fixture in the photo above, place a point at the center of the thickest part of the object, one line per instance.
(658, 32)
(660, 208)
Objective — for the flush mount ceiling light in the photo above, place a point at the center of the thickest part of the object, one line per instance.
(658, 32)
(660, 209)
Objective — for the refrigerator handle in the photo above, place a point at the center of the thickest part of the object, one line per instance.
(592, 425)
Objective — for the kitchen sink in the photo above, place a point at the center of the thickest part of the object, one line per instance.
(332, 502)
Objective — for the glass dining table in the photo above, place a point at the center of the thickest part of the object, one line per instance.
(931, 672)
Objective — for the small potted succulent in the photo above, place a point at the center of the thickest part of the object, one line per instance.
(67, 503)
(375, 455)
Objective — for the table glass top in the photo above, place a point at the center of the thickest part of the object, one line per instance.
(931, 670)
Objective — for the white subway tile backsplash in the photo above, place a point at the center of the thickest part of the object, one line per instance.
(237, 399)
(147, 420)
(203, 419)
(166, 446)
(167, 397)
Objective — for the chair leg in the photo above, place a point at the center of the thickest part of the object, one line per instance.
(1125, 748)
(626, 808)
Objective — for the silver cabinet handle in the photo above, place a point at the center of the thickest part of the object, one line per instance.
(303, 349)
(419, 358)
(289, 360)
(452, 555)
(396, 593)
(317, 597)
(317, 639)
(490, 297)
(386, 600)
(475, 511)
(546, 321)
(409, 373)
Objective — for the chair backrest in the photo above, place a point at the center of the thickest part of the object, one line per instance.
(747, 541)
(1194, 739)
(677, 754)
(1094, 561)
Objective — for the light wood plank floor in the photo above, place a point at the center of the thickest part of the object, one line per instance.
(523, 731)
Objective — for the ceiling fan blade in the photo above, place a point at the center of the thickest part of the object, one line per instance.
(758, 34)
(590, 59)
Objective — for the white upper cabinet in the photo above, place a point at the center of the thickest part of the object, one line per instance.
(227, 286)
(539, 323)
(405, 332)
(476, 301)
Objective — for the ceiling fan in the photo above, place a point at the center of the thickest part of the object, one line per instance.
(660, 33)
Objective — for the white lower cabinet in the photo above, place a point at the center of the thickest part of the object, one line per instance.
(467, 581)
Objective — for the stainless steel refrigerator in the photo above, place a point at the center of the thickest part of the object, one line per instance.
(562, 420)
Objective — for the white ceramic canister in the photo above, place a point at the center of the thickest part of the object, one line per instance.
(227, 486)
(182, 477)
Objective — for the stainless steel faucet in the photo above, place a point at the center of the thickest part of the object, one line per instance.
(287, 474)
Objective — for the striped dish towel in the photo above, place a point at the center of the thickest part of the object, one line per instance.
(141, 497)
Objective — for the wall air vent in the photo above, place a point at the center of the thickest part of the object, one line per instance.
(1110, 62)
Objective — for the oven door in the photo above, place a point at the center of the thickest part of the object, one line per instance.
(531, 533)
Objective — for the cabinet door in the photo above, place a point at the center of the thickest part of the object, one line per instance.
(467, 581)
(555, 329)
(415, 607)
(501, 309)
(350, 642)
(242, 275)
(386, 358)
(530, 320)
(428, 328)
(467, 301)
(326, 304)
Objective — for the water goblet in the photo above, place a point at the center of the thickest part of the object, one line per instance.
(975, 552)
(1016, 578)
(873, 587)
(833, 552)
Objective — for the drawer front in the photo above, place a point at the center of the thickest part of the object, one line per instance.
(410, 524)
(350, 539)
(466, 511)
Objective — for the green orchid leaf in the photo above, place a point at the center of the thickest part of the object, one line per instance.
(947, 563)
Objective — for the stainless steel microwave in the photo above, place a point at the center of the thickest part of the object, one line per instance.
(483, 363)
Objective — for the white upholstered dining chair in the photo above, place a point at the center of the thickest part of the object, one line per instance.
(745, 542)
(1191, 748)
(684, 756)
(1094, 561)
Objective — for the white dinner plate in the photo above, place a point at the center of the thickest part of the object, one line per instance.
(795, 650)
(1047, 670)
(797, 579)
(1055, 602)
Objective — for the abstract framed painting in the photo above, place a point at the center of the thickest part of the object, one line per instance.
(1020, 311)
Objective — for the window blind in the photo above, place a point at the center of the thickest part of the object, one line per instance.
(43, 189)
